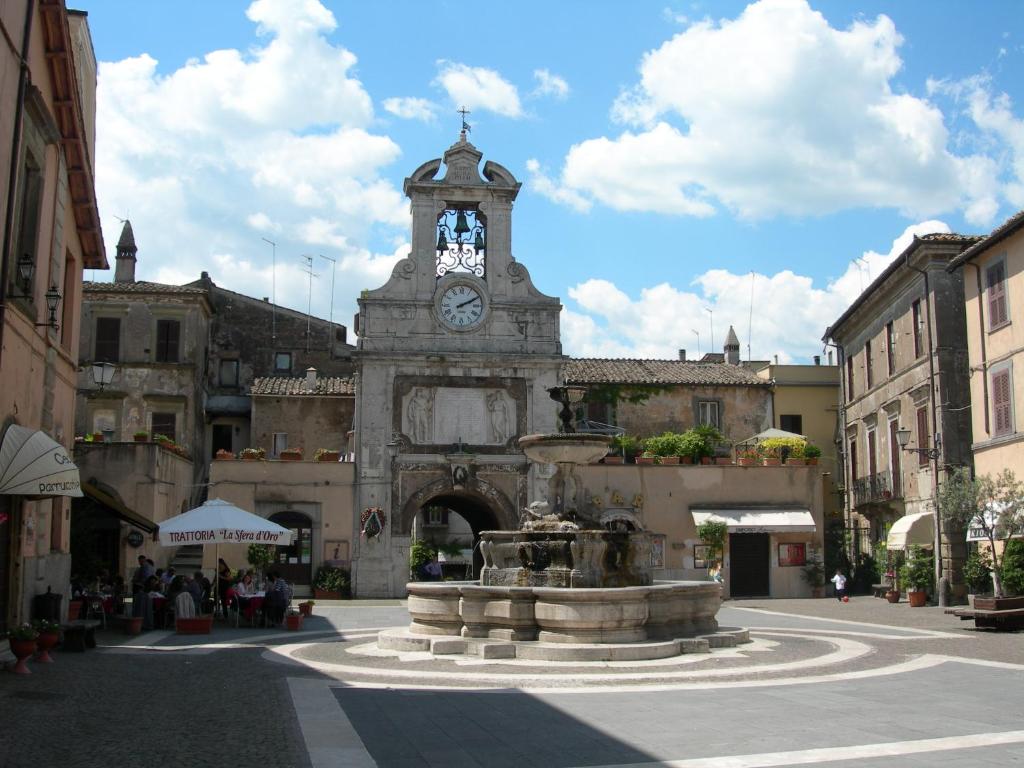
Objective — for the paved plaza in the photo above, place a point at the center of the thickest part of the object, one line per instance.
(865, 683)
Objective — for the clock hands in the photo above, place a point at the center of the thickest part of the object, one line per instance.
(470, 301)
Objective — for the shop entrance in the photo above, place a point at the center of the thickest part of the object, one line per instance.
(748, 564)
(295, 561)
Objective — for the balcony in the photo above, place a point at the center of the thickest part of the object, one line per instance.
(874, 489)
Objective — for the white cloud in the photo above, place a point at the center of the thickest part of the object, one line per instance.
(776, 112)
(410, 108)
(790, 313)
(549, 84)
(479, 88)
(237, 144)
(542, 184)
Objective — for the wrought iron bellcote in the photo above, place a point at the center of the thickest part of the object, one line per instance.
(461, 241)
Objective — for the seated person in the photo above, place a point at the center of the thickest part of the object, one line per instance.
(194, 586)
(245, 586)
(277, 599)
(184, 606)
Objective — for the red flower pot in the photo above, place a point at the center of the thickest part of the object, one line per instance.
(306, 609)
(294, 621)
(612, 459)
(746, 461)
(917, 598)
(892, 596)
(669, 459)
(45, 642)
(22, 650)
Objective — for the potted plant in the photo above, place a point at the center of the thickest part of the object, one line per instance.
(259, 557)
(49, 635)
(977, 575)
(746, 456)
(252, 454)
(626, 445)
(664, 447)
(769, 455)
(223, 455)
(330, 583)
(713, 533)
(814, 575)
(917, 574)
(646, 458)
(293, 620)
(97, 437)
(613, 458)
(811, 454)
(325, 454)
(23, 644)
(141, 436)
(194, 625)
(306, 608)
(290, 454)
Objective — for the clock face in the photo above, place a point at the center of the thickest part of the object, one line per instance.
(461, 306)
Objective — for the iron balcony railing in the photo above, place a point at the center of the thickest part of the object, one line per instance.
(873, 488)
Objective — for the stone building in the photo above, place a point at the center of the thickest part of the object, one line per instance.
(307, 413)
(902, 347)
(51, 232)
(993, 280)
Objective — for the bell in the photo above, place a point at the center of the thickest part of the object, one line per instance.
(442, 243)
(478, 242)
(461, 227)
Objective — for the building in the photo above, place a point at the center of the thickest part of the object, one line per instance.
(993, 284)
(51, 232)
(902, 351)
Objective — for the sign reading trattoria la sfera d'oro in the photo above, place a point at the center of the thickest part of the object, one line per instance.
(213, 535)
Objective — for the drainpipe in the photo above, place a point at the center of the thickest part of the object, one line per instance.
(942, 584)
(981, 337)
(12, 178)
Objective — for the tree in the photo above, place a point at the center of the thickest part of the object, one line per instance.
(713, 533)
(995, 507)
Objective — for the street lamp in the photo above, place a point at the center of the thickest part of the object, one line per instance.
(102, 374)
(903, 438)
(932, 454)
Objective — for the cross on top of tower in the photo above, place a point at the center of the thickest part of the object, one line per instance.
(465, 126)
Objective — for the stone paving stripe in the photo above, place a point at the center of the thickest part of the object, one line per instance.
(832, 754)
(331, 741)
(888, 630)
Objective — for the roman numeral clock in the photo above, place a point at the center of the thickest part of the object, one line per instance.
(461, 304)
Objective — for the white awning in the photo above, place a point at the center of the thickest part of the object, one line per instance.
(910, 530)
(33, 464)
(218, 522)
(759, 519)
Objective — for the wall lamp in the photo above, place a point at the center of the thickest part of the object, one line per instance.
(903, 437)
(102, 374)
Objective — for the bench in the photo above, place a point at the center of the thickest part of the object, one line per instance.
(1011, 618)
(879, 590)
(79, 634)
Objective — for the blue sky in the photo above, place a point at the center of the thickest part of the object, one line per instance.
(675, 158)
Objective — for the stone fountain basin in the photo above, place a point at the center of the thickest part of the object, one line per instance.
(572, 448)
(663, 610)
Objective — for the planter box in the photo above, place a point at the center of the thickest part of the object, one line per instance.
(771, 462)
(224, 456)
(613, 460)
(249, 457)
(143, 439)
(723, 461)
(686, 459)
(746, 462)
(197, 625)
(797, 462)
(644, 459)
(323, 594)
(334, 456)
(998, 603)
(290, 456)
(706, 460)
(294, 621)
(669, 459)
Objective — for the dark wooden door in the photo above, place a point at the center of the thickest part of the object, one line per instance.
(295, 561)
(748, 564)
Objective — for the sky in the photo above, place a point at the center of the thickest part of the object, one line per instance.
(686, 166)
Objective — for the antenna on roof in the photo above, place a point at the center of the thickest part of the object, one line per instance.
(273, 291)
(309, 303)
(334, 269)
(750, 318)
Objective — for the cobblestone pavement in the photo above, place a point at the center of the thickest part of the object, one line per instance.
(912, 687)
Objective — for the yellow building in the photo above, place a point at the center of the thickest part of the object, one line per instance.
(993, 279)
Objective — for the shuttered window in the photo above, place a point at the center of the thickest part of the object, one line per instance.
(168, 334)
(995, 277)
(890, 347)
(108, 339)
(853, 461)
(1002, 405)
(849, 379)
(870, 371)
(916, 307)
(923, 438)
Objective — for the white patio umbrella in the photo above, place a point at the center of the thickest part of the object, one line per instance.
(217, 522)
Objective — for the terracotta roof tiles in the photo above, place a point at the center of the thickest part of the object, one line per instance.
(140, 286)
(656, 372)
(295, 386)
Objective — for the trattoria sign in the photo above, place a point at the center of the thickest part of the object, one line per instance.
(224, 536)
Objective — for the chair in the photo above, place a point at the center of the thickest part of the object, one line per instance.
(233, 606)
(94, 608)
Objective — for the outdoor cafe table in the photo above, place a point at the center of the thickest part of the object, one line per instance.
(249, 604)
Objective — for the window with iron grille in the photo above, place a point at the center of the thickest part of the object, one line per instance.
(108, 339)
(1002, 403)
(995, 279)
(168, 335)
(916, 313)
(164, 424)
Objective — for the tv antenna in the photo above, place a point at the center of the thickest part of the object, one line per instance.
(273, 290)
(309, 302)
(334, 269)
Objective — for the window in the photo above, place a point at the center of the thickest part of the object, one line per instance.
(894, 457)
(792, 555)
(283, 362)
(792, 423)
(916, 312)
(890, 347)
(849, 379)
(853, 460)
(108, 339)
(168, 333)
(870, 371)
(923, 438)
(280, 444)
(707, 413)
(872, 453)
(995, 283)
(1002, 402)
(229, 373)
(436, 515)
(69, 310)
(163, 424)
(30, 198)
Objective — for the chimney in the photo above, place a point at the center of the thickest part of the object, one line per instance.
(817, 359)
(776, 359)
(732, 348)
(124, 270)
(682, 354)
(311, 379)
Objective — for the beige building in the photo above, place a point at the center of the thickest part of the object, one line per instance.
(307, 413)
(51, 231)
(993, 280)
(901, 346)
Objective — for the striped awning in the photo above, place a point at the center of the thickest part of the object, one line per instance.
(33, 464)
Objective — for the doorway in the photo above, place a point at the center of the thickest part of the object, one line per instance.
(456, 517)
(222, 436)
(295, 561)
(749, 564)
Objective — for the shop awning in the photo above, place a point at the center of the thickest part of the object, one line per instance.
(910, 530)
(976, 531)
(118, 507)
(33, 464)
(759, 519)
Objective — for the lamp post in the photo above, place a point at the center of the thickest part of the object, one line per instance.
(932, 454)
(102, 374)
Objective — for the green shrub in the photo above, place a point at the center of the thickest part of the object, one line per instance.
(812, 451)
(917, 572)
(626, 445)
(1013, 567)
(713, 534)
(421, 552)
(978, 572)
(774, 447)
(332, 579)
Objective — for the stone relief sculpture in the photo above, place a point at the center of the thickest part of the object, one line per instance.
(419, 414)
(497, 409)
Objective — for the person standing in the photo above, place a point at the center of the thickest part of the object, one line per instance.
(840, 581)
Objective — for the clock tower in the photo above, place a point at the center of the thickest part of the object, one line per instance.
(456, 353)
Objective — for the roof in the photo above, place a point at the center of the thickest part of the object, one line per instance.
(998, 234)
(657, 372)
(127, 239)
(140, 286)
(899, 261)
(731, 340)
(289, 385)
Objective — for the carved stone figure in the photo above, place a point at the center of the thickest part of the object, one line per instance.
(497, 409)
(419, 412)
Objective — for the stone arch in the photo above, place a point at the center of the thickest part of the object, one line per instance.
(476, 493)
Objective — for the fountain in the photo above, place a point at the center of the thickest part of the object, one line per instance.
(565, 586)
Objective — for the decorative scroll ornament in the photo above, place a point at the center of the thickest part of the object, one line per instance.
(461, 242)
(371, 522)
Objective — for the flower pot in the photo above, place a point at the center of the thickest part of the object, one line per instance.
(290, 456)
(224, 456)
(723, 461)
(196, 625)
(796, 462)
(706, 460)
(142, 439)
(644, 459)
(132, 625)
(334, 456)
(324, 594)
(746, 461)
(917, 597)
(770, 462)
(249, 457)
(686, 459)
(22, 650)
(892, 596)
(669, 459)
(44, 643)
(613, 460)
(97, 437)
(812, 462)
(293, 621)
(306, 609)
(74, 609)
